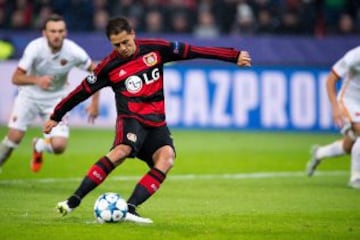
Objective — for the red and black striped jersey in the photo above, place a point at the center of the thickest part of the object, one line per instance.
(138, 81)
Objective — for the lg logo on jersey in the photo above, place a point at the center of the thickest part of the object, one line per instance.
(135, 83)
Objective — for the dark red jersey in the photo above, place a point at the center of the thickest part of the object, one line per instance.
(138, 81)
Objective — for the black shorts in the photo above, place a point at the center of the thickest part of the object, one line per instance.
(143, 140)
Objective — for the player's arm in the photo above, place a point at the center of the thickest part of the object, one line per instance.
(89, 86)
(93, 108)
(331, 81)
(20, 78)
(183, 51)
(241, 58)
(78, 95)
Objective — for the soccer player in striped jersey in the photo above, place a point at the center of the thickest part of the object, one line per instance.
(134, 70)
(346, 115)
(41, 77)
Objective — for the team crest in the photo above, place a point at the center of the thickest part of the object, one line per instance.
(131, 137)
(150, 59)
(91, 78)
(63, 62)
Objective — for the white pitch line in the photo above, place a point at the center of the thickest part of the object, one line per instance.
(184, 177)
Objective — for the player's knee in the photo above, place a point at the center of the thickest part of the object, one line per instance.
(59, 149)
(119, 153)
(56, 145)
(164, 158)
(10, 143)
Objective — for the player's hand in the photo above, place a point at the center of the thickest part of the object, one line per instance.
(338, 117)
(48, 125)
(244, 59)
(93, 112)
(44, 82)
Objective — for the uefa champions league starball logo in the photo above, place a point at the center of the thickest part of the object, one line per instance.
(91, 78)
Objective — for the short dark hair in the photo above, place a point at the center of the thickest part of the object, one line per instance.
(53, 18)
(116, 25)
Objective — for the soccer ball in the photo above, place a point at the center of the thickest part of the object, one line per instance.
(110, 207)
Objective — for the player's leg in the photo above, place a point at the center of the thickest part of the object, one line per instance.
(54, 143)
(9, 143)
(124, 143)
(355, 160)
(23, 114)
(94, 177)
(338, 148)
(335, 149)
(158, 152)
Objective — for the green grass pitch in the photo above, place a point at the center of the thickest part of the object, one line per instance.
(224, 185)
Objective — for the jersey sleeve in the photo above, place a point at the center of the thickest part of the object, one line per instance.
(91, 84)
(28, 56)
(350, 60)
(182, 51)
(83, 59)
(75, 97)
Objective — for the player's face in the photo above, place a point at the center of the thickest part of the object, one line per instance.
(55, 32)
(124, 43)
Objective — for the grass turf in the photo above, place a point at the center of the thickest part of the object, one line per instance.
(225, 185)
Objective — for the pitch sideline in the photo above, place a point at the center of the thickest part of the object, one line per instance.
(184, 177)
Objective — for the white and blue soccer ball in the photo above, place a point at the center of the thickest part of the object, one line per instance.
(110, 207)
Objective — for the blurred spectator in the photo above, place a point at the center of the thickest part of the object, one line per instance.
(290, 23)
(153, 22)
(126, 8)
(265, 23)
(345, 25)
(179, 23)
(22, 16)
(206, 27)
(101, 18)
(101, 4)
(205, 5)
(131, 9)
(180, 16)
(245, 20)
(202, 17)
(101, 14)
(40, 17)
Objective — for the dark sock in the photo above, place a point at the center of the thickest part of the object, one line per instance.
(146, 187)
(74, 201)
(95, 176)
(132, 209)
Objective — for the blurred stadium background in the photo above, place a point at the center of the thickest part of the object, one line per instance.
(293, 44)
(254, 182)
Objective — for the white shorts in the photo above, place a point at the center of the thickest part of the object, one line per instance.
(26, 110)
(351, 107)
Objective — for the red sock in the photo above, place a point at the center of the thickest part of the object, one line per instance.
(147, 186)
(95, 176)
